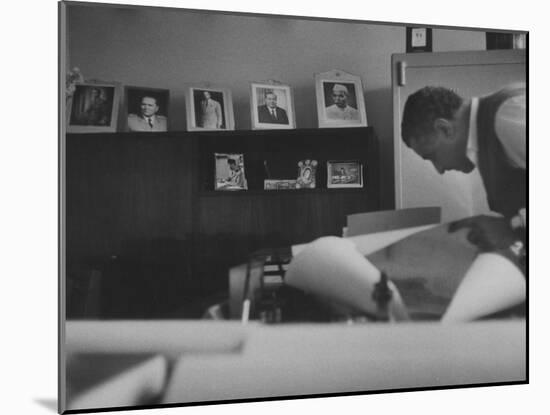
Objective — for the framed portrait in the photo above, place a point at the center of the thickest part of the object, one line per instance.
(209, 109)
(146, 109)
(419, 39)
(307, 170)
(344, 174)
(230, 173)
(271, 106)
(340, 101)
(94, 108)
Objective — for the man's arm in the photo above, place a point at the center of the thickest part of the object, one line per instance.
(495, 234)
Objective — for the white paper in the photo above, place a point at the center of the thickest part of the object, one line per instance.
(372, 242)
(333, 269)
(491, 284)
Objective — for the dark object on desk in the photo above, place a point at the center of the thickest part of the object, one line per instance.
(382, 295)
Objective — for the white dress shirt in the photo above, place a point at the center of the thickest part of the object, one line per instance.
(510, 127)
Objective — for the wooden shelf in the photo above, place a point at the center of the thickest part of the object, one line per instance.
(255, 193)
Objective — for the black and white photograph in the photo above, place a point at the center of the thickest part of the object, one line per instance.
(272, 106)
(146, 109)
(401, 257)
(340, 101)
(307, 170)
(210, 109)
(344, 174)
(230, 173)
(93, 108)
(279, 184)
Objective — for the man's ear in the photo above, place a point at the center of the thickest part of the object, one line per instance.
(444, 128)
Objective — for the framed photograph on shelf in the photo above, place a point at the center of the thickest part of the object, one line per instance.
(94, 108)
(279, 184)
(209, 109)
(146, 109)
(342, 174)
(230, 172)
(272, 106)
(306, 174)
(340, 101)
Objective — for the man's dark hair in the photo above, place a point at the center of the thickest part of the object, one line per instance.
(423, 107)
(150, 96)
(231, 161)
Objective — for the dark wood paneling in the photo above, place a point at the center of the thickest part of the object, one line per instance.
(122, 188)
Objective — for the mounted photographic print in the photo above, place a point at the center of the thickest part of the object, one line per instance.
(419, 39)
(340, 101)
(272, 106)
(279, 184)
(230, 172)
(146, 109)
(93, 108)
(168, 241)
(209, 109)
(306, 174)
(344, 174)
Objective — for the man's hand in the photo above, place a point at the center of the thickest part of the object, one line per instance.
(488, 233)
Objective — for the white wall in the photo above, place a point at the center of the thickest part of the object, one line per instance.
(446, 40)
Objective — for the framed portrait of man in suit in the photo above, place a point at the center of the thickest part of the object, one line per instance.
(340, 101)
(146, 109)
(93, 108)
(209, 109)
(272, 106)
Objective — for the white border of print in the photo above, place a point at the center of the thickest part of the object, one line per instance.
(337, 76)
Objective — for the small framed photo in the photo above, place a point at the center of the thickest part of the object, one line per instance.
(94, 108)
(419, 39)
(307, 170)
(272, 106)
(279, 184)
(340, 101)
(230, 173)
(146, 109)
(209, 109)
(344, 174)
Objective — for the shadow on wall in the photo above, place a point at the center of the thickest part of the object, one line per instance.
(379, 107)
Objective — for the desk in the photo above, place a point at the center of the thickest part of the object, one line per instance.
(225, 360)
